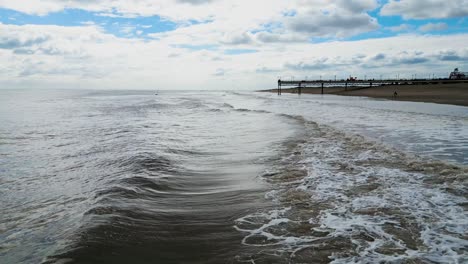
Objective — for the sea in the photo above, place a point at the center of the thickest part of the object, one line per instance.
(90, 176)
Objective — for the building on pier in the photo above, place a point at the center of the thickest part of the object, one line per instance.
(458, 75)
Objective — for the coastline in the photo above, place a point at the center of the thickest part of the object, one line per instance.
(454, 94)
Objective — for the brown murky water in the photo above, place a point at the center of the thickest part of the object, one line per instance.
(214, 177)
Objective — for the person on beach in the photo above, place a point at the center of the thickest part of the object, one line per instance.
(395, 95)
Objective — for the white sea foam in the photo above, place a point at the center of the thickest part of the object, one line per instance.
(374, 197)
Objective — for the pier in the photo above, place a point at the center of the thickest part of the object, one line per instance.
(299, 84)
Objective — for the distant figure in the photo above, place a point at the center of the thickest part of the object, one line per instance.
(395, 95)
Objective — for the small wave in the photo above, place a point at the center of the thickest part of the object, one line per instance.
(228, 105)
(140, 108)
(185, 152)
(158, 185)
(143, 163)
(252, 111)
(191, 103)
(215, 110)
(117, 191)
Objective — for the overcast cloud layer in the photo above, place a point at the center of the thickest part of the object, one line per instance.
(221, 44)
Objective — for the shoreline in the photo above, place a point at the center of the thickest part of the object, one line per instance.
(453, 94)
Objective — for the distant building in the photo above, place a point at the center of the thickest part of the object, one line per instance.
(458, 75)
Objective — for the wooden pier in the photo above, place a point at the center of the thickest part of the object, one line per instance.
(299, 84)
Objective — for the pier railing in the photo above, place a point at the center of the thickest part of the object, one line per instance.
(299, 84)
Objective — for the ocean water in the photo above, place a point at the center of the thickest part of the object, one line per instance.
(230, 177)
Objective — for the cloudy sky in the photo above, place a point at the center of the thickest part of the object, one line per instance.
(225, 44)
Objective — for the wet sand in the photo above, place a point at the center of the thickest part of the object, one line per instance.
(455, 94)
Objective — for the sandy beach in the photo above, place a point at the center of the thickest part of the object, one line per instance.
(455, 94)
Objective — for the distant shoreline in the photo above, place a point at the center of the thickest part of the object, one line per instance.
(454, 94)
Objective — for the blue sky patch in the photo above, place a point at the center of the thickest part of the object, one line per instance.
(119, 26)
(239, 51)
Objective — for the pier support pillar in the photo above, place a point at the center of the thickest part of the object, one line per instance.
(279, 87)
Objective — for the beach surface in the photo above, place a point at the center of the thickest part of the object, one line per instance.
(454, 94)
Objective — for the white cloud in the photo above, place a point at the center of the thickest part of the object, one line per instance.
(88, 23)
(402, 27)
(194, 54)
(334, 24)
(175, 10)
(127, 30)
(261, 22)
(73, 56)
(340, 18)
(357, 6)
(237, 38)
(267, 37)
(433, 27)
(240, 13)
(416, 9)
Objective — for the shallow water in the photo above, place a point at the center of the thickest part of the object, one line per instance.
(223, 177)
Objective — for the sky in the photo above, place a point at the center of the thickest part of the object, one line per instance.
(225, 44)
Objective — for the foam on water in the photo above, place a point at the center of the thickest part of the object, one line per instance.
(361, 201)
